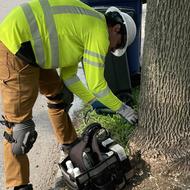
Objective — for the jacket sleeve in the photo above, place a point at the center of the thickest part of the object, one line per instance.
(75, 85)
(94, 55)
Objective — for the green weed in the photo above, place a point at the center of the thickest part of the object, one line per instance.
(119, 128)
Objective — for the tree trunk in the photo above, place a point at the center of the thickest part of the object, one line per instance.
(164, 112)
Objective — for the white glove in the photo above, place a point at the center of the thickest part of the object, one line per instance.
(128, 113)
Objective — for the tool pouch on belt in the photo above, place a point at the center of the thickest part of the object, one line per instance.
(104, 171)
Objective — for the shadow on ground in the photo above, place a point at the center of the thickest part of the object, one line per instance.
(141, 171)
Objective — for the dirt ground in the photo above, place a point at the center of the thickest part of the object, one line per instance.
(146, 177)
(151, 174)
(157, 177)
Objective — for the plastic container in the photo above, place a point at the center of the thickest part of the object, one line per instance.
(76, 172)
(70, 167)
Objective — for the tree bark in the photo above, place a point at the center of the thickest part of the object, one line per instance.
(164, 112)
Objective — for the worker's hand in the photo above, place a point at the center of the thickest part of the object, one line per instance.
(128, 113)
(97, 105)
(101, 109)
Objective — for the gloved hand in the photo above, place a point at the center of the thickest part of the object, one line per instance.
(128, 113)
(97, 105)
(101, 108)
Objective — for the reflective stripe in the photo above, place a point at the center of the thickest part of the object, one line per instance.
(75, 10)
(94, 54)
(38, 45)
(71, 81)
(93, 63)
(103, 93)
(53, 37)
(51, 29)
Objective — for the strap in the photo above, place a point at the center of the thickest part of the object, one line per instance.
(95, 147)
(57, 106)
(91, 129)
(56, 97)
(76, 153)
(9, 137)
(6, 123)
(88, 139)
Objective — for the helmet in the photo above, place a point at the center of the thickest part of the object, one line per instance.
(130, 30)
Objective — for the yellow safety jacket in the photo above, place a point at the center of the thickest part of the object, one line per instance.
(62, 34)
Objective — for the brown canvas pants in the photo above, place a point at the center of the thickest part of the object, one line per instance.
(19, 85)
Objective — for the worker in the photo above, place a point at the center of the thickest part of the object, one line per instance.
(38, 37)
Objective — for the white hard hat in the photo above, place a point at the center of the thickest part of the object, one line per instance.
(130, 30)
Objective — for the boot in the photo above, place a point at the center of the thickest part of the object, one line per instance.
(24, 187)
(66, 147)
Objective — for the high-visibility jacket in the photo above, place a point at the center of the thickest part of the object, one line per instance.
(62, 34)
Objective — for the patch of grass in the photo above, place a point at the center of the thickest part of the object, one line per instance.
(135, 95)
(119, 128)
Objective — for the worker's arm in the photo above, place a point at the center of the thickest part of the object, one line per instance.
(95, 50)
(74, 84)
(94, 72)
(71, 80)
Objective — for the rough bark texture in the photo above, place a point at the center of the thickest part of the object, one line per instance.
(164, 114)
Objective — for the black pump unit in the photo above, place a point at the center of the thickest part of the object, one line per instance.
(106, 169)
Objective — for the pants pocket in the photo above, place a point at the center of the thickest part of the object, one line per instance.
(19, 88)
(4, 69)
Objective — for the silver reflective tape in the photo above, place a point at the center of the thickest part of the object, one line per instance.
(53, 37)
(75, 10)
(94, 54)
(38, 45)
(71, 81)
(102, 93)
(93, 63)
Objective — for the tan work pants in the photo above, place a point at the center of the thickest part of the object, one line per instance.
(19, 84)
